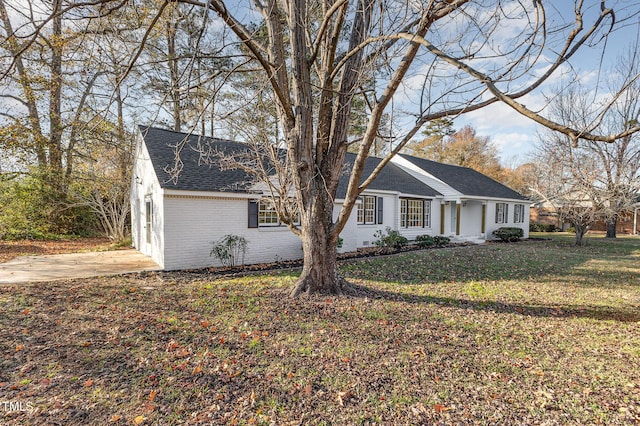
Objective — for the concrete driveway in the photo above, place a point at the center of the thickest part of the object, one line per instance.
(74, 265)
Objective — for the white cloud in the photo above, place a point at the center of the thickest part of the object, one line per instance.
(513, 134)
(515, 146)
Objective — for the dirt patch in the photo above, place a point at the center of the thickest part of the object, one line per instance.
(11, 249)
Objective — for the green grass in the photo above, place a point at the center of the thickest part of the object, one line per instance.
(536, 332)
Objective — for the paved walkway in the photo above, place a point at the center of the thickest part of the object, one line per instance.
(74, 265)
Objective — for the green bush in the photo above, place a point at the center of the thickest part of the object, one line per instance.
(508, 234)
(390, 239)
(32, 210)
(441, 241)
(542, 227)
(424, 241)
(230, 250)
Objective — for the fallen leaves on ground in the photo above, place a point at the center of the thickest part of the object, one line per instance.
(560, 347)
(11, 249)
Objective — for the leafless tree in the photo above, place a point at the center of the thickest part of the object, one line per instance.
(431, 60)
(315, 72)
(62, 74)
(606, 175)
(565, 185)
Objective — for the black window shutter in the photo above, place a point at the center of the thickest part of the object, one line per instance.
(253, 214)
(380, 209)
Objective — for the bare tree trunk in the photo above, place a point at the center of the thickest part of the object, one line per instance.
(55, 174)
(172, 63)
(319, 244)
(580, 231)
(611, 227)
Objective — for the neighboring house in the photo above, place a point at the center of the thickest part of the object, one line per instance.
(546, 212)
(177, 220)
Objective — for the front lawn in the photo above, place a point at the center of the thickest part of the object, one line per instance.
(536, 332)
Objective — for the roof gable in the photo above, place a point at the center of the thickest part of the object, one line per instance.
(391, 178)
(465, 180)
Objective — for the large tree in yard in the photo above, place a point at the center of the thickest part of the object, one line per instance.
(456, 56)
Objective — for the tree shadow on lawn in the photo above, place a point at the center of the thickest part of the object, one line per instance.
(603, 313)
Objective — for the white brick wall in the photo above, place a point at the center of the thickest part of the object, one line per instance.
(144, 184)
(193, 224)
(491, 224)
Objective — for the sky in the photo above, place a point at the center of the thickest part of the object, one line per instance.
(514, 135)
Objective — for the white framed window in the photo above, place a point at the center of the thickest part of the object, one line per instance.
(366, 211)
(427, 213)
(502, 212)
(415, 213)
(267, 214)
(369, 209)
(518, 213)
(264, 214)
(148, 218)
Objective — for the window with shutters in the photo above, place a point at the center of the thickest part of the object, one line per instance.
(415, 213)
(263, 213)
(366, 210)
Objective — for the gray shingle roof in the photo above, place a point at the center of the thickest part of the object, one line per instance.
(197, 175)
(465, 180)
(391, 178)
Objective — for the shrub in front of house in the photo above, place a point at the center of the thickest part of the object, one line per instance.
(390, 239)
(508, 234)
(424, 241)
(542, 227)
(230, 250)
(441, 241)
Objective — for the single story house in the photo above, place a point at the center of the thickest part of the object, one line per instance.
(176, 220)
